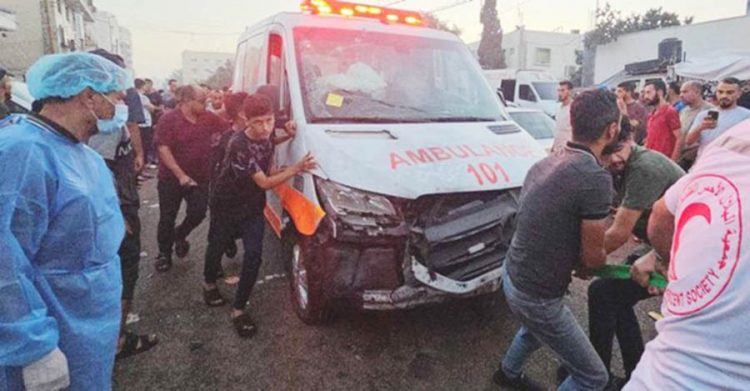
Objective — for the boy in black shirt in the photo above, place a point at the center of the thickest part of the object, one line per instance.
(237, 204)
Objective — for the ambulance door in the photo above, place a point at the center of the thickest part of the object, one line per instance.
(296, 199)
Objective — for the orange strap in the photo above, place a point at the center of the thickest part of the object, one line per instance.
(306, 214)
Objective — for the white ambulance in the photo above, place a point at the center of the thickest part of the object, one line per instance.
(415, 196)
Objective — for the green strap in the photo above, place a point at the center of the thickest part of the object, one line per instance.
(622, 272)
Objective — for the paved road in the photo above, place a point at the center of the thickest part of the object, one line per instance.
(448, 347)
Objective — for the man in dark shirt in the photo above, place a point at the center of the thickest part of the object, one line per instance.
(561, 223)
(643, 177)
(237, 202)
(183, 137)
(122, 151)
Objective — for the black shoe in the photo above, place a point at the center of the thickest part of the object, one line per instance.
(562, 374)
(520, 383)
(181, 248)
(163, 263)
(231, 250)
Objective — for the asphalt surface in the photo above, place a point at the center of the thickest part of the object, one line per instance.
(453, 346)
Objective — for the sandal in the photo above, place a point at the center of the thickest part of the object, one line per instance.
(244, 325)
(213, 298)
(136, 344)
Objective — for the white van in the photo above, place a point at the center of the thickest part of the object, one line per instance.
(526, 88)
(416, 192)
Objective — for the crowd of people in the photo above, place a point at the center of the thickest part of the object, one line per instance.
(642, 147)
(623, 166)
(70, 248)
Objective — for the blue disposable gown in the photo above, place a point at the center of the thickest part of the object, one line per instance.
(60, 280)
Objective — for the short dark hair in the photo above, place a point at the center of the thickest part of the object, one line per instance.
(233, 104)
(625, 133)
(628, 86)
(139, 83)
(674, 86)
(148, 81)
(658, 85)
(257, 105)
(172, 81)
(591, 113)
(731, 80)
(567, 83)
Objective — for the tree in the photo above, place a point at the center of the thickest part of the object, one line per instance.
(222, 77)
(611, 24)
(433, 22)
(491, 46)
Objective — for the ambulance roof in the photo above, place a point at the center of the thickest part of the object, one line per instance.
(290, 20)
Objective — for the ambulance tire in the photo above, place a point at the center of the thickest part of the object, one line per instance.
(306, 279)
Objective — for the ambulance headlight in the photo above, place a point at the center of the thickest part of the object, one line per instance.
(344, 201)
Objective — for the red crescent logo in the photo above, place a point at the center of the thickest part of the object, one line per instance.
(692, 211)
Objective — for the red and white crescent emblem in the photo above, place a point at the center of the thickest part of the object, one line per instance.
(706, 245)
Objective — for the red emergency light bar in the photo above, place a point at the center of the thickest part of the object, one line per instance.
(386, 15)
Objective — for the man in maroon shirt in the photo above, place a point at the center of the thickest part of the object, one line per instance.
(664, 126)
(184, 139)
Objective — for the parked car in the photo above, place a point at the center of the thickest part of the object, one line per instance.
(525, 88)
(537, 123)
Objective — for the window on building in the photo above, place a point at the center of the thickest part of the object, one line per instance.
(60, 7)
(543, 57)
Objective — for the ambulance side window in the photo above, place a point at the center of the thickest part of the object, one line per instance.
(239, 66)
(253, 58)
(276, 75)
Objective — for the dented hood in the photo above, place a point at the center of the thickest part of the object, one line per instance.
(412, 160)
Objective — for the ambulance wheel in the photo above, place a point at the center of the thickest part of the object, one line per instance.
(306, 280)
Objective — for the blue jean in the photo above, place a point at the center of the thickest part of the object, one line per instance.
(550, 322)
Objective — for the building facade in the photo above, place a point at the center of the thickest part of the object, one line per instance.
(199, 66)
(553, 52)
(111, 36)
(696, 40)
(57, 26)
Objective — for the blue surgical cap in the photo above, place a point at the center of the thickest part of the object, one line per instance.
(67, 75)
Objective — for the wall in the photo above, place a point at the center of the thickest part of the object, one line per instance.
(22, 47)
(520, 47)
(697, 40)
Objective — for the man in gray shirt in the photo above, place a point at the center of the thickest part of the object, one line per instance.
(707, 129)
(691, 94)
(561, 226)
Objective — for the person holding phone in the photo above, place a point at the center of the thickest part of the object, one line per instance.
(711, 124)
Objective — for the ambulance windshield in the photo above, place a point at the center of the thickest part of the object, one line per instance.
(361, 76)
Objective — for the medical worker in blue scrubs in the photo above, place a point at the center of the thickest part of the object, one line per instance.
(60, 229)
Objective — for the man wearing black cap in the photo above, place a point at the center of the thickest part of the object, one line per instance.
(5, 88)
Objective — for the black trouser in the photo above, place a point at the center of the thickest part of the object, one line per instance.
(123, 170)
(611, 313)
(223, 229)
(171, 195)
(130, 252)
(149, 149)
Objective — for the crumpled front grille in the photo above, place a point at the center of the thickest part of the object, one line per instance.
(463, 237)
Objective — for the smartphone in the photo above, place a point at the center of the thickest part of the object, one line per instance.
(713, 114)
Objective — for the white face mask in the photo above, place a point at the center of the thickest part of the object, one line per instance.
(115, 123)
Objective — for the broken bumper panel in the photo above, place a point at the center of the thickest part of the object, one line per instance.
(437, 289)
